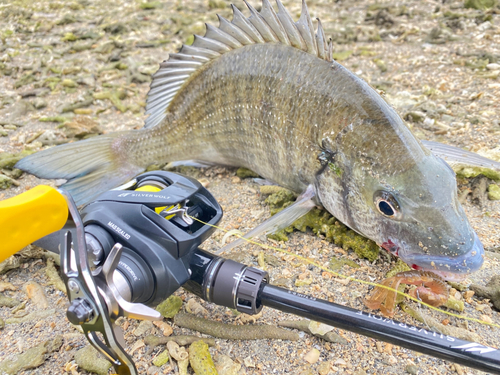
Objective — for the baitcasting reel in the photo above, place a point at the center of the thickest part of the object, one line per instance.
(133, 247)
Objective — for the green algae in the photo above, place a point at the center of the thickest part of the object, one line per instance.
(200, 359)
(493, 192)
(480, 4)
(149, 5)
(341, 56)
(8, 160)
(51, 82)
(245, 173)
(400, 266)
(60, 119)
(322, 223)
(114, 96)
(7, 301)
(26, 79)
(5, 182)
(170, 306)
(162, 358)
(337, 264)
(471, 172)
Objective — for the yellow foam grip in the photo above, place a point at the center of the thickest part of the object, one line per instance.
(30, 216)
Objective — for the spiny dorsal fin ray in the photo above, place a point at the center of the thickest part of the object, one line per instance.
(305, 27)
(234, 31)
(260, 24)
(265, 26)
(246, 26)
(321, 41)
(291, 30)
(267, 12)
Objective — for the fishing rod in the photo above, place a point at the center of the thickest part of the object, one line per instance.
(135, 245)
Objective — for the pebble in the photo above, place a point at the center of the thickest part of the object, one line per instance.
(35, 315)
(486, 318)
(39, 103)
(312, 356)
(143, 327)
(324, 368)
(226, 366)
(153, 370)
(89, 359)
(69, 83)
(249, 362)
(165, 328)
(36, 294)
(194, 307)
(32, 357)
(493, 66)
(411, 369)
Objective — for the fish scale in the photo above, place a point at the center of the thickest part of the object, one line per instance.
(264, 93)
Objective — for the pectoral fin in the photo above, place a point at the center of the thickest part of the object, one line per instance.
(283, 219)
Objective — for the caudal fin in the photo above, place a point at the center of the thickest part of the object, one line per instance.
(90, 167)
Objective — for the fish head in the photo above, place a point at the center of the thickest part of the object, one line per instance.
(407, 205)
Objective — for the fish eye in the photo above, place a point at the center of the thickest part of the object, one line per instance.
(385, 208)
(386, 204)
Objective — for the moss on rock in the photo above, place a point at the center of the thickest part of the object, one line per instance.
(321, 222)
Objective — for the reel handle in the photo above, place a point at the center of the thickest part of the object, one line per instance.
(29, 216)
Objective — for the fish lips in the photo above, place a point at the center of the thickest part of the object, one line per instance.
(448, 267)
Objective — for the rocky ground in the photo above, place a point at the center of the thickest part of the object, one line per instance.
(72, 69)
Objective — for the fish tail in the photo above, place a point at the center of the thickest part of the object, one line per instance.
(90, 167)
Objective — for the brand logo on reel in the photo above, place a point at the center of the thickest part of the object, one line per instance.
(119, 230)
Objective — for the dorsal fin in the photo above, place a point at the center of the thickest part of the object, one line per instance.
(265, 26)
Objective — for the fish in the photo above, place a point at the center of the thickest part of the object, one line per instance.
(263, 92)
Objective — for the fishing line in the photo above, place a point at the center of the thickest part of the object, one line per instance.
(313, 263)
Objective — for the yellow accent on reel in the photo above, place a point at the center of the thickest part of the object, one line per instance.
(30, 216)
(155, 189)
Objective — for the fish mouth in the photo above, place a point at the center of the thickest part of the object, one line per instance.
(448, 267)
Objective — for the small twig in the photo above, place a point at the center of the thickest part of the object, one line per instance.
(233, 332)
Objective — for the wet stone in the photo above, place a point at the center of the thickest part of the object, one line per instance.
(226, 366)
(90, 360)
(411, 369)
(479, 186)
(81, 127)
(39, 103)
(31, 358)
(8, 301)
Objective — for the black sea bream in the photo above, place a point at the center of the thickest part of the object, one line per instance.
(264, 93)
